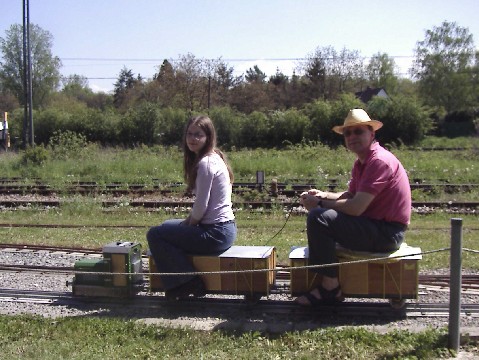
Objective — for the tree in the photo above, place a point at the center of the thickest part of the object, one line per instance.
(76, 87)
(45, 66)
(347, 71)
(125, 82)
(251, 94)
(255, 75)
(381, 73)
(475, 80)
(162, 89)
(443, 65)
(222, 81)
(165, 73)
(192, 81)
(74, 81)
(330, 73)
(8, 102)
(278, 88)
(316, 71)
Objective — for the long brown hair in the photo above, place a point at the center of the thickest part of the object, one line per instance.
(191, 159)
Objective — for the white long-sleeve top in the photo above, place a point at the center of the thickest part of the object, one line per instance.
(213, 191)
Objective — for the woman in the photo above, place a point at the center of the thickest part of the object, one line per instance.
(210, 227)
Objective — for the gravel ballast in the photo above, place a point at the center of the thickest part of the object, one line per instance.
(208, 320)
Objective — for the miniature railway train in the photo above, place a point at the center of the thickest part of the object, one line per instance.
(251, 271)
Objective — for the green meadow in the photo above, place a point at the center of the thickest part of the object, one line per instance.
(85, 223)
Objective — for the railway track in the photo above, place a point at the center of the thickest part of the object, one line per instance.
(15, 193)
(220, 305)
(470, 282)
(17, 187)
(427, 282)
(456, 207)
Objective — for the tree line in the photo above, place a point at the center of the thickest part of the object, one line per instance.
(251, 110)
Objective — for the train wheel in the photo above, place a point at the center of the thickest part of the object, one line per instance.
(397, 304)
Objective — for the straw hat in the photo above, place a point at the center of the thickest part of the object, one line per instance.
(358, 117)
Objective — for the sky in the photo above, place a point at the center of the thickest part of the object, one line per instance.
(98, 38)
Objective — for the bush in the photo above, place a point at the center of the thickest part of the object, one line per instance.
(140, 125)
(458, 123)
(67, 144)
(97, 126)
(255, 131)
(227, 124)
(405, 121)
(288, 126)
(171, 126)
(319, 114)
(36, 156)
(47, 121)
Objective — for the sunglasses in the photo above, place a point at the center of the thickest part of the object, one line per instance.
(357, 132)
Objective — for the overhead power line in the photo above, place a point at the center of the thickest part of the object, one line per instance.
(224, 59)
(158, 61)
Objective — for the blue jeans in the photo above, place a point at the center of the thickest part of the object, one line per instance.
(171, 242)
(326, 227)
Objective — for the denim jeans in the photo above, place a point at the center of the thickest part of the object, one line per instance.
(171, 242)
(326, 227)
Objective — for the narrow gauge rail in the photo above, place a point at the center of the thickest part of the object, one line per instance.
(228, 305)
(470, 282)
(268, 307)
(49, 248)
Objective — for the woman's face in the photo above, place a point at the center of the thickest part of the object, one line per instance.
(195, 138)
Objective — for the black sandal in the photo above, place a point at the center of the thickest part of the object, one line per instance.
(194, 287)
(328, 297)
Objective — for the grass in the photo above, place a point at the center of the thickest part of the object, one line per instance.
(444, 142)
(115, 338)
(298, 164)
(92, 227)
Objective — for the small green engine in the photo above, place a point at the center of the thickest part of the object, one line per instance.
(117, 274)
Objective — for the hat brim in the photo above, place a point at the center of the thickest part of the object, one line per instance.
(375, 124)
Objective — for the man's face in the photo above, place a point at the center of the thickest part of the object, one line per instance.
(358, 138)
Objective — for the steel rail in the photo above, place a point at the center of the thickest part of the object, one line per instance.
(220, 304)
(420, 206)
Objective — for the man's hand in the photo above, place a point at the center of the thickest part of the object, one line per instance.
(308, 200)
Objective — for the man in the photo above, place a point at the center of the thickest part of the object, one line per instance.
(371, 216)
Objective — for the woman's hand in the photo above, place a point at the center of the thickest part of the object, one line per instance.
(190, 221)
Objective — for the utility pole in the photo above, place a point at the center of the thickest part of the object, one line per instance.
(209, 92)
(27, 78)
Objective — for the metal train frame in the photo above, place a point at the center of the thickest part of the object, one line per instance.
(251, 271)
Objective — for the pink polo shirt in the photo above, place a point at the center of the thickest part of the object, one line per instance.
(383, 176)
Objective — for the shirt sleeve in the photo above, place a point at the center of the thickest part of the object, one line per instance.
(204, 182)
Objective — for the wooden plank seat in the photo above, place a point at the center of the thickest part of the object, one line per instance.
(395, 276)
(236, 258)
